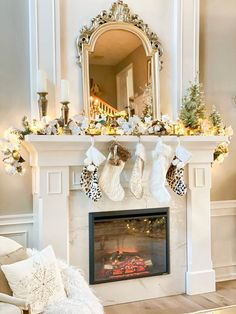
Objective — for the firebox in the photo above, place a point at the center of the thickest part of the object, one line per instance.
(128, 244)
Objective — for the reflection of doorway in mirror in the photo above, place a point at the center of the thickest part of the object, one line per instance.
(119, 66)
(125, 88)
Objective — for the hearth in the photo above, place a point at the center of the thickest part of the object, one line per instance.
(128, 244)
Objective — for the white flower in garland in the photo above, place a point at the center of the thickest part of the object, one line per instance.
(52, 127)
(12, 139)
(165, 118)
(75, 129)
(157, 128)
(134, 120)
(82, 121)
(151, 130)
(147, 119)
(121, 120)
(142, 128)
(10, 148)
(229, 131)
(125, 126)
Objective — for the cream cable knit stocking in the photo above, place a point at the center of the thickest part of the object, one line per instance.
(136, 186)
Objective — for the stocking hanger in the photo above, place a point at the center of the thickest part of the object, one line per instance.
(178, 140)
(92, 140)
(159, 138)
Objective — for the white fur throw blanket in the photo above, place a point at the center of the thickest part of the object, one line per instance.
(80, 298)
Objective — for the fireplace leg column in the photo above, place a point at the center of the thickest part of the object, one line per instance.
(51, 210)
(200, 276)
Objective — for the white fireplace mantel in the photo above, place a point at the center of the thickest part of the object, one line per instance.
(53, 157)
(64, 147)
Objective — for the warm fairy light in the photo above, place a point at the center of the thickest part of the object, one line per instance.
(107, 124)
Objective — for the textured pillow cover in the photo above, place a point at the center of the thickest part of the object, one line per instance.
(36, 280)
(10, 258)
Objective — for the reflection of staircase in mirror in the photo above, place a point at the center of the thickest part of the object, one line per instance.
(100, 106)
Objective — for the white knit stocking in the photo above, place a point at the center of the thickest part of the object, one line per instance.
(110, 180)
(161, 162)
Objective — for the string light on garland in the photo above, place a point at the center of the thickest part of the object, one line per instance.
(148, 226)
(193, 120)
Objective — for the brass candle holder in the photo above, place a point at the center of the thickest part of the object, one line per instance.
(65, 117)
(42, 104)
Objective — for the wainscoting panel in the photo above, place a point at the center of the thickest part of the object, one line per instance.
(18, 228)
(223, 220)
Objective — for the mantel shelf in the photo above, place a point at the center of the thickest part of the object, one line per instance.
(121, 138)
(70, 150)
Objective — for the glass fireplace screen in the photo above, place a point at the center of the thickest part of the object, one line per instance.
(128, 244)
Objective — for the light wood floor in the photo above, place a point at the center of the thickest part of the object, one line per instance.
(224, 296)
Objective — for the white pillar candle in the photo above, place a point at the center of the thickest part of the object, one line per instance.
(42, 82)
(64, 91)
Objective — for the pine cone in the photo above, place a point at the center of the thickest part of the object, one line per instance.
(118, 153)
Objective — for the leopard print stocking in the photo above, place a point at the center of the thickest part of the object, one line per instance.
(175, 179)
(89, 183)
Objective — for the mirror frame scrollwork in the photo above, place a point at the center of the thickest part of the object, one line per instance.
(119, 17)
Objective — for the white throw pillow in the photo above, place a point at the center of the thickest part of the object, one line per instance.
(36, 280)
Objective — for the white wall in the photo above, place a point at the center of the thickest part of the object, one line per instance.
(218, 74)
(15, 192)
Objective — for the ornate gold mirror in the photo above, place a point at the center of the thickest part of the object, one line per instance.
(120, 60)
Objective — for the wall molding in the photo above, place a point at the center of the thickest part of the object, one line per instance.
(45, 52)
(223, 209)
(22, 219)
(18, 227)
(186, 46)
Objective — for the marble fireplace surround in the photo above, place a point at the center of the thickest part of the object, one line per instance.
(61, 212)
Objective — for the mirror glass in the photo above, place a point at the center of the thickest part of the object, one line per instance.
(120, 75)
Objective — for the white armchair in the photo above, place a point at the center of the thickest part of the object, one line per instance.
(12, 305)
(80, 298)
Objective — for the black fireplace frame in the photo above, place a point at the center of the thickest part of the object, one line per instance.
(119, 214)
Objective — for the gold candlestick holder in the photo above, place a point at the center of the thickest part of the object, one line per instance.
(42, 104)
(65, 117)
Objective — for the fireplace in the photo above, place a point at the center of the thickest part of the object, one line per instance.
(56, 164)
(128, 244)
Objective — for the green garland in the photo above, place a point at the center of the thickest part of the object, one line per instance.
(192, 117)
